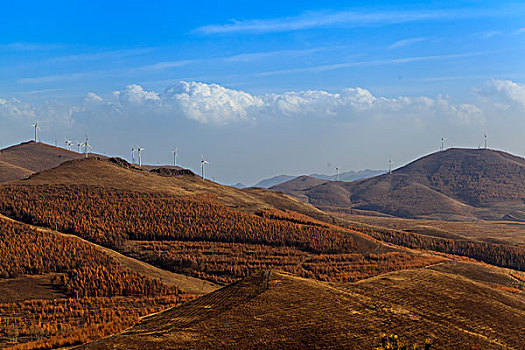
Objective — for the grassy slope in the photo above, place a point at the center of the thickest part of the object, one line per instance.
(9, 172)
(442, 303)
(457, 184)
(36, 156)
(99, 172)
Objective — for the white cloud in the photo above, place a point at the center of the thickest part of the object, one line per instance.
(104, 55)
(216, 104)
(489, 34)
(30, 47)
(330, 18)
(392, 61)
(211, 102)
(505, 94)
(136, 95)
(320, 103)
(58, 77)
(92, 97)
(405, 42)
(53, 112)
(14, 109)
(168, 64)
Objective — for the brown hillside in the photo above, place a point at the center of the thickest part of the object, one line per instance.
(201, 237)
(9, 172)
(456, 184)
(475, 177)
(111, 173)
(295, 186)
(58, 289)
(199, 228)
(36, 156)
(278, 310)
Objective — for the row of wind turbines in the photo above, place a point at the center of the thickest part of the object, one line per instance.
(442, 148)
(86, 146)
(69, 144)
(175, 153)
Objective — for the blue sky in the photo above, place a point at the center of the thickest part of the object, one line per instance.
(300, 86)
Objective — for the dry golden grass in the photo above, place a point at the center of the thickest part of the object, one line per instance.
(282, 311)
(36, 156)
(10, 172)
(490, 231)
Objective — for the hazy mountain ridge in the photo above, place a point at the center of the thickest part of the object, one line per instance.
(348, 176)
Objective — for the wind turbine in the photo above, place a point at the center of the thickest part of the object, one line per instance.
(132, 155)
(36, 128)
(485, 140)
(337, 172)
(203, 161)
(79, 145)
(390, 162)
(68, 144)
(174, 157)
(139, 149)
(443, 143)
(86, 146)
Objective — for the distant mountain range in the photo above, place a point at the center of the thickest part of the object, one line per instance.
(456, 184)
(348, 176)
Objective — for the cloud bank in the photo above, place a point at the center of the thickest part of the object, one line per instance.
(217, 105)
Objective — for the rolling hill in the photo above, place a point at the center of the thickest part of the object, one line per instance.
(9, 172)
(456, 184)
(447, 303)
(39, 159)
(182, 235)
(118, 174)
(182, 223)
(346, 176)
(36, 156)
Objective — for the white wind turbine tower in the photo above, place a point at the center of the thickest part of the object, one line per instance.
(139, 149)
(390, 162)
(203, 162)
(36, 130)
(443, 143)
(485, 140)
(132, 155)
(337, 173)
(86, 146)
(79, 145)
(68, 144)
(174, 157)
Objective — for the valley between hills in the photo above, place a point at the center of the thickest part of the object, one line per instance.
(98, 253)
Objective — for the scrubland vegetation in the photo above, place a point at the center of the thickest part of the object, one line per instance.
(199, 236)
(110, 217)
(193, 235)
(104, 298)
(496, 254)
(228, 262)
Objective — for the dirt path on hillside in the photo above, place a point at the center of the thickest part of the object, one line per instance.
(189, 284)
